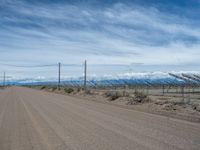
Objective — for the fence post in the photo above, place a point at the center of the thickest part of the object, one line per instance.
(183, 92)
(163, 89)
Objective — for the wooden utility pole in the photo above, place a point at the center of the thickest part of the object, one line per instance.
(85, 74)
(59, 65)
(4, 79)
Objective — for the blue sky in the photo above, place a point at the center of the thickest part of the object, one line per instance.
(155, 33)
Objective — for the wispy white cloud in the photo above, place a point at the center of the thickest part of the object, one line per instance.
(120, 33)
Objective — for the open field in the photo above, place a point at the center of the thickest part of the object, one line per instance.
(33, 119)
(168, 101)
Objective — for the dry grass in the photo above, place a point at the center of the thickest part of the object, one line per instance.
(69, 90)
(138, 98)
(113, 95)
(129, 97)
(43, 87)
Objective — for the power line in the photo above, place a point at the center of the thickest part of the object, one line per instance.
(67, 65)
(72, 65)
(30, 66)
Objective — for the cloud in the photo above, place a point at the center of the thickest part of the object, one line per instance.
(113, 34)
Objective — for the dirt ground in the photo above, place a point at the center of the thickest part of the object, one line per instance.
(33, 119)
(172, 103)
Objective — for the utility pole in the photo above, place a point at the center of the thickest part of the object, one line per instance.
(4, 79)
(59, 65)
(85, 74)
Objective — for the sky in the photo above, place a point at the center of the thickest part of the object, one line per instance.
(121, 35)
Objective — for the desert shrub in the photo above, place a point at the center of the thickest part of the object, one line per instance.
(180, 103)
(53, 88)
(169, 107)
(196, 107)
(125, 94)
(119, 93)
(139, 97)
(43, 87)
(69, 90)
(108, 93)
(113, 95)
(88, 92)
(78, 89)
(183, 103)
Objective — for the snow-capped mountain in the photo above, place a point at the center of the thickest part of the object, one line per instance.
(147, 78)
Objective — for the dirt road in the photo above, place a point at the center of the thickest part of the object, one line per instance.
(37, 120)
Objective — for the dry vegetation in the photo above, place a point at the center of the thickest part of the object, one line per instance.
(137, 99)
(113, 95)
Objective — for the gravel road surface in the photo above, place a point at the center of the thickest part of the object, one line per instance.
(37, 120)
